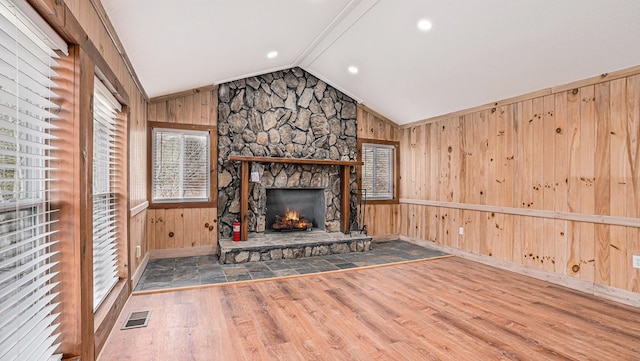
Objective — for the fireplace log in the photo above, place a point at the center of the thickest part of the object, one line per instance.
(285, 224)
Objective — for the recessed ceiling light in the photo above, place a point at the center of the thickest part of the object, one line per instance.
(424, 25)
(353, 70)
(272, 54)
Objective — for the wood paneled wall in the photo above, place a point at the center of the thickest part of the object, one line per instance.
(197, 106)
(373, 125)
(547, 181)
(381, 219)
(194, 229)
(137, 183)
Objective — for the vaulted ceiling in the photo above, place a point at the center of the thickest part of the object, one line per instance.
(476, 52)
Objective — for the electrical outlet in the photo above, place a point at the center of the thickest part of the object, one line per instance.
(636, 261)
(138, 251)
(461, 231)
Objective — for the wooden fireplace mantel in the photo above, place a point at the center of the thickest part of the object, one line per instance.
(243, 158)
(244, 185)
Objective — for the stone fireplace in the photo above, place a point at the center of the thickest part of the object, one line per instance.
(284, 114)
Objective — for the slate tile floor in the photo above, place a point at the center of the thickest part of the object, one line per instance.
(201, 270)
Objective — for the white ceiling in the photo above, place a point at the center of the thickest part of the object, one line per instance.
(477, 51)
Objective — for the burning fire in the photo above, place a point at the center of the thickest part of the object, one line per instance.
(291, 216)
(292, 220)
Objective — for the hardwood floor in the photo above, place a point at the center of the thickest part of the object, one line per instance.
(444, 309)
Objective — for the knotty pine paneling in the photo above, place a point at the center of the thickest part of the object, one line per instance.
(181, 228)
(196, 107)
(372, 125)
(138, 237)
(571, 152)
(381, 219)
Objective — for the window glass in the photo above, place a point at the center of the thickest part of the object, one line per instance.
(105, 160)
(180, 165)
(377, 171)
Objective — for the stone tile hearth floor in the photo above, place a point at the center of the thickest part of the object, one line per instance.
(202, 270)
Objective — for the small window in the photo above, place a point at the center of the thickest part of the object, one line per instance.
(181, 166)
(378, 171)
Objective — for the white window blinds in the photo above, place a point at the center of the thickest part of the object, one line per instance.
(180, 165)
(377, 171)
(29, 319)
(105, 261)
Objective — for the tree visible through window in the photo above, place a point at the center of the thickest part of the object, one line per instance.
(377, 171)
(180, 165)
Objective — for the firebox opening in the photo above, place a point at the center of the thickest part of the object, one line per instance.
(290, 209)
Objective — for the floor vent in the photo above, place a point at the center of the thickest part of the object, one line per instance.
(137, 319)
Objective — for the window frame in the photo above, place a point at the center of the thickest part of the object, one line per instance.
(213, 190)
(396, 169)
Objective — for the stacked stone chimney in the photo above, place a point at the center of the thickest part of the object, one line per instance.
(288, 113)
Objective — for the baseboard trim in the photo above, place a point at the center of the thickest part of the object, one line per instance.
(385, 238)
(138, 274)
(181, 252)
(592, 288)
(617, 294)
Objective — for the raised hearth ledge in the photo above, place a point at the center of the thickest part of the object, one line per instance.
(289, 245)
(244, 185)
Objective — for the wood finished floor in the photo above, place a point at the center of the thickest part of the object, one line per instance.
(444, 309)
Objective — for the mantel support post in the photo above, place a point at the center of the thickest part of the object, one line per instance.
(345, 204)
(244, 200)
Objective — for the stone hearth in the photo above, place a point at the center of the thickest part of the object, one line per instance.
(274, 246)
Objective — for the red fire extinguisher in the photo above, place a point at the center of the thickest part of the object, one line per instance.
(236, 231)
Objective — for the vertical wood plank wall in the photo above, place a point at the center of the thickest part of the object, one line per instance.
(199, 107)
(381, 219)
(523, 179)
(137, 184)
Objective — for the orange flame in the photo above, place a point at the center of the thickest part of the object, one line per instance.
(291, 215)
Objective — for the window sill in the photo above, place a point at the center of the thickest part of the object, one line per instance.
(106, 316)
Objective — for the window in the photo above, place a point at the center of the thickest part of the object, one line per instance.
(29, 317)
(105, 129)
(181, 165)
(378, 174)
